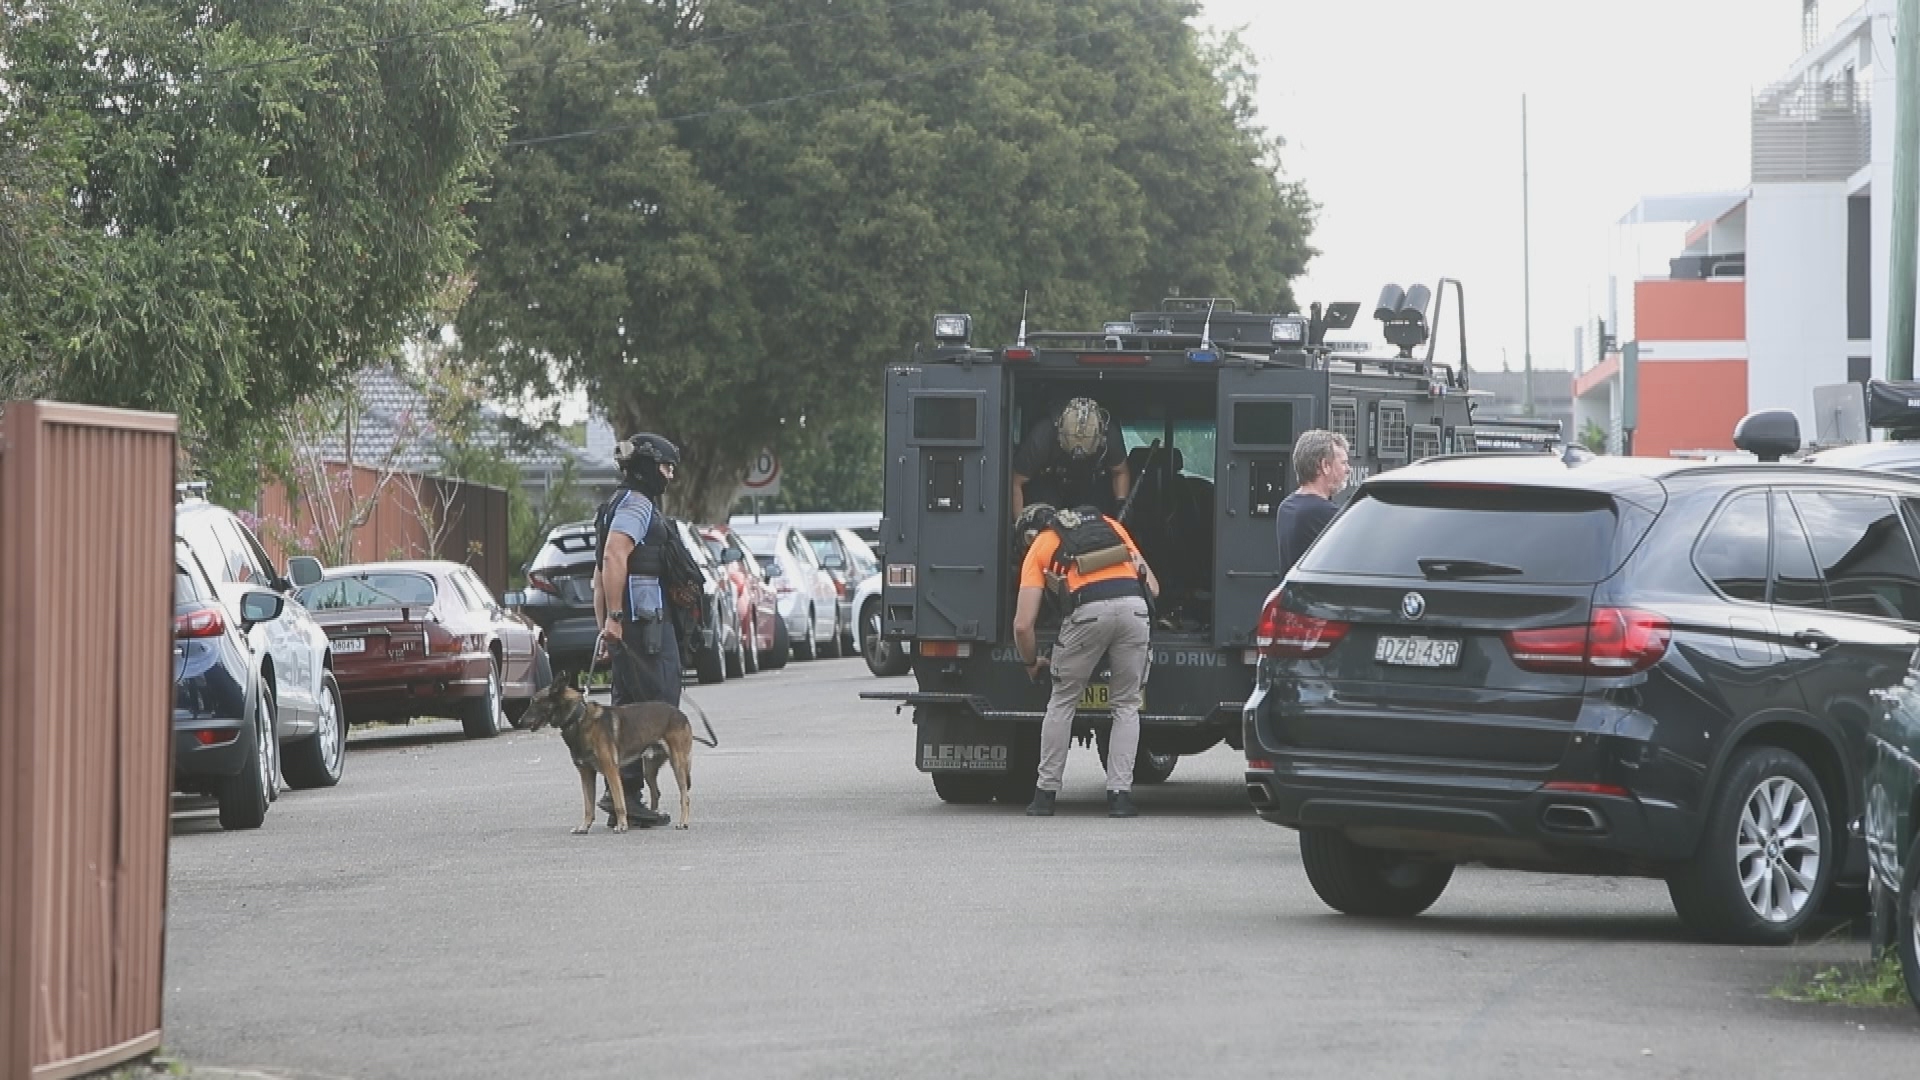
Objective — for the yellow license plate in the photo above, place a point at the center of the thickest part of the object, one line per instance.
(1096, 696)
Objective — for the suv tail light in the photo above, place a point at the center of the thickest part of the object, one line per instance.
(538, 580)
(1291, 635)
(204, 623)
(1613, 641)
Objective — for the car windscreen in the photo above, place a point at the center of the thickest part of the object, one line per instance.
(1476, 532)
(769, 564)
(760, 543)
(369, 591)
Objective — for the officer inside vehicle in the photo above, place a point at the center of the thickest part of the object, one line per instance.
(1071, 458)
(628, 599)
(1093, 571)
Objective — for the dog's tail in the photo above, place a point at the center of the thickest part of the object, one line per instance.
(711, 739)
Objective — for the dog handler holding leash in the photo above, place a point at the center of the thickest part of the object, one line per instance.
(628, 598)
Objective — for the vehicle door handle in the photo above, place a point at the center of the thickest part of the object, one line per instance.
(1815, 640)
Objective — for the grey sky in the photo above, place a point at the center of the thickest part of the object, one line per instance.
(1403, 118)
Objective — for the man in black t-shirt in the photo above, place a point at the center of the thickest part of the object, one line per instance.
(1320, 465)
(1072, 458)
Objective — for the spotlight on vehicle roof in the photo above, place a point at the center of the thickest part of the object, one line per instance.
(1117, 328)
(1290, 330)
(952, 329)
(1403, 317)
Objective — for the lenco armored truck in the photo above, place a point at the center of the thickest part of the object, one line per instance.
(1208, 400)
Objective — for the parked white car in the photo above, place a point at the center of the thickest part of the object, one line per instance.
(884, 658)
(809, 603)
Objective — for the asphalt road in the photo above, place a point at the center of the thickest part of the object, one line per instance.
(827, 916)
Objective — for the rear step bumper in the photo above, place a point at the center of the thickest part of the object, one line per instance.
(1471, 820)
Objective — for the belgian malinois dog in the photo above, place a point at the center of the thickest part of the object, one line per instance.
(602, 738)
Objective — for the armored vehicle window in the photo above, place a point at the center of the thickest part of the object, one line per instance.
(1732, 553)
(1863, 552)
(946, 419)
(1263, 423)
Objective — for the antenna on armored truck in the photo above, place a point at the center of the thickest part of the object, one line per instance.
(1023, 319)
(1206, 327)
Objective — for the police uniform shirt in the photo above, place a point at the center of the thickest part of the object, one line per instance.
(1041, 461)
(632, 517)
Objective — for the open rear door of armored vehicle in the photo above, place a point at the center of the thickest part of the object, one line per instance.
(1263, 407)
(946, 497)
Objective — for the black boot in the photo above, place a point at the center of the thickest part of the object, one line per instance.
(1120, 804)
(637, 813)
(1042, 804)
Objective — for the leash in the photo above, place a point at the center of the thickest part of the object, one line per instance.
(711, 740)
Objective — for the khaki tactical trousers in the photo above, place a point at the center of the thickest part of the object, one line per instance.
(1118, 630)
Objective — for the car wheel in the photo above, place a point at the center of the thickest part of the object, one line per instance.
(318, 761)
(830, 648)
(884, 658)
(750, 651)
(1354, 880)
(964, 788)
(243, 796)
(737, 656)
(808, 648)
(486, 716)
(782, 650)
(1766, 856)
(1907, 927)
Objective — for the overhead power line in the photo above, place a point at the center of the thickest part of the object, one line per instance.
(971, 60)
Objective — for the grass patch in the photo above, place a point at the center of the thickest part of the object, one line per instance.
(1873, 984)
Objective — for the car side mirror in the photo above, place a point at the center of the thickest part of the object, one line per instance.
(304, 570)
(731, 555)
(259, 605)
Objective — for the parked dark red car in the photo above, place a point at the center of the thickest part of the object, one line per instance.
(424, 639)
(756, 601)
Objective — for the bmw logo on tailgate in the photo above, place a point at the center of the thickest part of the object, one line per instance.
(1413, 605)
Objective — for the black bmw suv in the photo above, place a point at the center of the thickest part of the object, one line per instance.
(1625, 666)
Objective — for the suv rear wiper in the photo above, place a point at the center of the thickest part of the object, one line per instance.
(1438, 569)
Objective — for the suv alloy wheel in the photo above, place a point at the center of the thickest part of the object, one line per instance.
(1765, 857)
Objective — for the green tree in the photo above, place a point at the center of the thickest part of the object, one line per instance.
(228, 205)
(768, 198)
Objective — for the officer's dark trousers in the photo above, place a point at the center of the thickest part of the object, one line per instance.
(640, 677)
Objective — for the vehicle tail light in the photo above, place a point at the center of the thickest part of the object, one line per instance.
(953, 650)
(1016, 353)
(1289, 634)
(540, 581)
(215, 738)
(1260, 763)
(440, 640)
(204, 623)
(1613, 641)
(901, 576)
(1119, 358)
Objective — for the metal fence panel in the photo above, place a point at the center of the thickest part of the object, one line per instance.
(86, 689)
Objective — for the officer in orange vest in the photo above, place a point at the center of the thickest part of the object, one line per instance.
(1093, 569)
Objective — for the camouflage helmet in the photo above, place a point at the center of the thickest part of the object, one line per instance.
(1031, 520)
(1082, 425)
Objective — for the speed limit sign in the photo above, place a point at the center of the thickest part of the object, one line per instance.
(763, 475)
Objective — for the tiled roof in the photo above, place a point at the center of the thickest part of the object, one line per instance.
(393, 412)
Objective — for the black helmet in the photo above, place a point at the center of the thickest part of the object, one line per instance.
(1032, 519)
(640, 458)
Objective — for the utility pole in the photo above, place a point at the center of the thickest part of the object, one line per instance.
(1526, 259)
(1901, 285)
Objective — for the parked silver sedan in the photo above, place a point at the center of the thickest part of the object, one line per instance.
(809, 603)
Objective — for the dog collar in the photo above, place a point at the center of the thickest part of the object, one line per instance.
(573, 717)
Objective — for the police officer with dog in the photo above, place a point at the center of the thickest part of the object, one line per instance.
(1092, 571)
(1071, 458)
(630, 597)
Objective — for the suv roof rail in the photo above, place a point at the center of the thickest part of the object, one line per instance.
(190, 489)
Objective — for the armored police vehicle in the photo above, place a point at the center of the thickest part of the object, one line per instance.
(1208, 400)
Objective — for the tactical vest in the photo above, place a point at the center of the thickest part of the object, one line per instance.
(1088, 542)
(649, 555)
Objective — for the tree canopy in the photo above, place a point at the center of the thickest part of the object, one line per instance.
(724, 217)
(217, 207)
